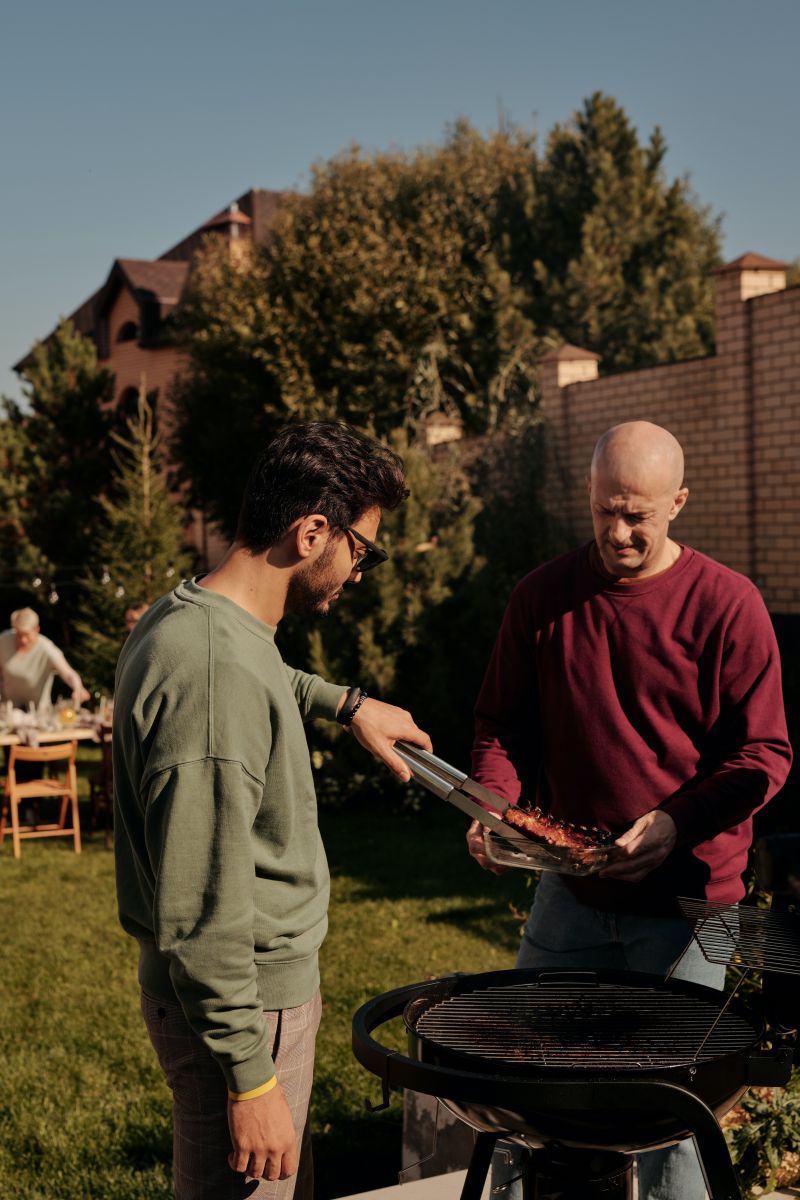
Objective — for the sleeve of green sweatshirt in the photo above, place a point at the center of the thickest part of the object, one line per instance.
(315, 697)
(197, 827)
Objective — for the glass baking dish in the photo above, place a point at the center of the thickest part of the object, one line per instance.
(514, 849)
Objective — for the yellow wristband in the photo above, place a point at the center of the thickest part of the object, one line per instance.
(259, 1091)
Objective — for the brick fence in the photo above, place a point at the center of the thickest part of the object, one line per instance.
(736, 414)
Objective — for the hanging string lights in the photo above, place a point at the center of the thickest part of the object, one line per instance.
(68, 576)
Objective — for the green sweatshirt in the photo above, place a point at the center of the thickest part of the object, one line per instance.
(221, 872)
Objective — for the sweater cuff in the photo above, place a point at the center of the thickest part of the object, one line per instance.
(325, 698)
(244, 1078)
(254, 1092)
(686, 811)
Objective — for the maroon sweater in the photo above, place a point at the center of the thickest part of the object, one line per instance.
(607, 700)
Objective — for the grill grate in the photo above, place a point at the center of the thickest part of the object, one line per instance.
(738, 935)
(605, 1026)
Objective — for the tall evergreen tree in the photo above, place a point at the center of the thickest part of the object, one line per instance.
(23, 565)
(624, 257)
(62, 441)
(137, 549)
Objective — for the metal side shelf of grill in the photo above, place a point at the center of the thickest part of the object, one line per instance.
(738, 935)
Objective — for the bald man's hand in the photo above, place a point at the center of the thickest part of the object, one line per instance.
(477, 848)
(642, 848)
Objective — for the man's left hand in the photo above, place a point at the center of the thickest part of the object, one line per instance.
(642, 848)
(377, 726)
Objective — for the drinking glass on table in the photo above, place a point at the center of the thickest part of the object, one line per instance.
(65, 712)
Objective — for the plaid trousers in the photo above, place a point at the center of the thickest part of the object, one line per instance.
(201, 1139)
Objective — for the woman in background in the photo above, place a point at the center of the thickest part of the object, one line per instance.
(28, 662)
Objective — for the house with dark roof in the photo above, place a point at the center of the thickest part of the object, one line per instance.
(130, 317)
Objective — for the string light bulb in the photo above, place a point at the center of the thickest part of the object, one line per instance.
(170, 571)
(36, 582)
(105, 578)
(119, 591)
(53, 596)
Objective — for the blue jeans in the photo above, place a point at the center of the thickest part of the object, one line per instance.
(562, 933)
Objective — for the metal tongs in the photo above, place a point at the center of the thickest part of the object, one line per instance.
(464, 793)
(454, 786)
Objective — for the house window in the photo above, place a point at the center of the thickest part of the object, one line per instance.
(129, 332)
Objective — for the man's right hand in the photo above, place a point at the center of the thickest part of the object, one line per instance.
(477, 849)
(263, 1136)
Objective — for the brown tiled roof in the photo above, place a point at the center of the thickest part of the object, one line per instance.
(568, 353)
(146, 279)
(751, 262)
(165, 280)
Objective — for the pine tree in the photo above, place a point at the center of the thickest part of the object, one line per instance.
(60, 441)
(23, 565)
(624, 257)
(137, 547)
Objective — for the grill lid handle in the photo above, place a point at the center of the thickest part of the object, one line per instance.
(559, 978)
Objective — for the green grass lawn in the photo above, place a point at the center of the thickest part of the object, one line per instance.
(84, 1112)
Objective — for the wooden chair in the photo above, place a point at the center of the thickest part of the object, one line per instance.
(16, 792)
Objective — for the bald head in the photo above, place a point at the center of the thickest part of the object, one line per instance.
(641, 457)
(636, 490)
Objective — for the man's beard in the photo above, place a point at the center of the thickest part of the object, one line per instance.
(311, 590)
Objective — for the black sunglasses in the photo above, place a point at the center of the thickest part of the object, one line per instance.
(373, 555)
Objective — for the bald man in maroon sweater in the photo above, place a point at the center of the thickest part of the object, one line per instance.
(635, 685)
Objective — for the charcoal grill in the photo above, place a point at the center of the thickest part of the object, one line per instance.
(587, 1068)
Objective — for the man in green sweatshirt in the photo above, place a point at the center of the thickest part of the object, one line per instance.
(221, 874)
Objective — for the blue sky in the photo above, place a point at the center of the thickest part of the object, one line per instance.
(124, 126)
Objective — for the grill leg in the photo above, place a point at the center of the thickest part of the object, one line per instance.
(479, 1166)
(716, 1165)
(656, 1096)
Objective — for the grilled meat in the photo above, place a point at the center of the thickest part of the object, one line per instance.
(543, 828)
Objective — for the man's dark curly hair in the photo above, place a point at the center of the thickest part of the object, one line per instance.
(316, 467)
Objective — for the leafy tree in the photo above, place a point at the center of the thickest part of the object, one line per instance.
(404, 285)
(453, 266)
(393, 269)
(392, 634)
(60, 440)
(137, 547)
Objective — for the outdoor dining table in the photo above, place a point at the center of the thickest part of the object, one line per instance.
(70, 733)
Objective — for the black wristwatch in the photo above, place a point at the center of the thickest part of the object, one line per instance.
(352, 703)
